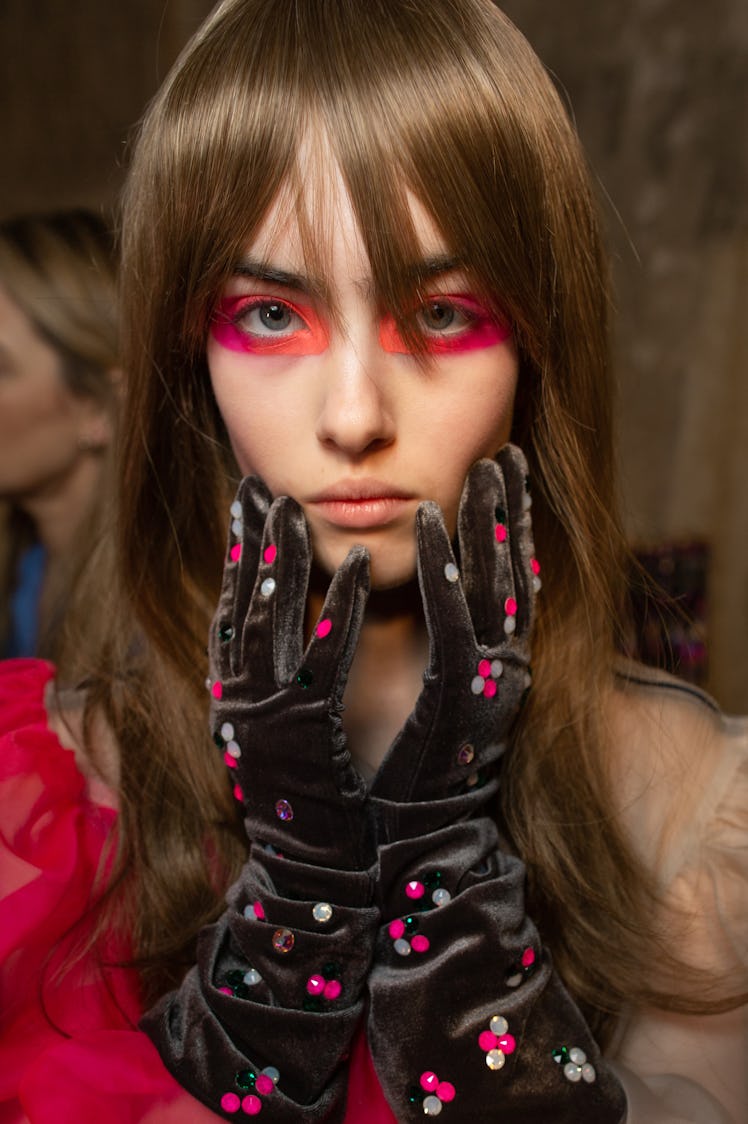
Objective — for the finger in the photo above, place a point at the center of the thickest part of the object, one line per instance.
(329, 653)
(247, 517)
(273, 632)
(483, 532)
(524, 565)
(447, 616)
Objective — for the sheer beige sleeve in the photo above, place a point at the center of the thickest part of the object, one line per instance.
(684, 778)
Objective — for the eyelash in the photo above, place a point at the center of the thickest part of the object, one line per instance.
(480, 328)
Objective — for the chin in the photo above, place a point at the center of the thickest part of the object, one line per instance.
(389, 567)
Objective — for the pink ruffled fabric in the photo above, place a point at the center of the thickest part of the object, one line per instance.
(69, 1046)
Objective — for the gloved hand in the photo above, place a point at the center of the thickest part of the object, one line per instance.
(276, 708)
(460, 969)
(265, 1018)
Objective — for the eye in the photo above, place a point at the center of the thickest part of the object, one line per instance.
(437, 315)
(447, 324)
(262, 324)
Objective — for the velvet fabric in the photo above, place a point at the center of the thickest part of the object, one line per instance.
(428, 933)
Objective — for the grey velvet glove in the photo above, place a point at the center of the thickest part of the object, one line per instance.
(467, 1017)
(264, 1021)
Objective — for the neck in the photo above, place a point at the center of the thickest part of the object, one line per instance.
(386, 674)
(59, 509)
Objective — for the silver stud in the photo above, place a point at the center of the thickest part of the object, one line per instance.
(322, 912)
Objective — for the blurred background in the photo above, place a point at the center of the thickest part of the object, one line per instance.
(659, 93)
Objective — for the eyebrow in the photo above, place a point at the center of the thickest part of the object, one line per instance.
(418, 272)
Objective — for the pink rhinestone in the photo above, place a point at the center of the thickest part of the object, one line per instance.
(217, 690)
(419, 943)
(315, 985)
(528, 957)
(333, 989)
(225, 991)
(510, 607)
(229, 760)
(535, 566)
(487, 1040)
(445, 1091)
(507, 1043)
(323, 628)
(484, 668)
(429, 1081)
(236, 552)
(230, 1102)
(259, 911)
(415, 889)
(238, 792)
(264, 1084)
(489, 689)
(500, 532)
(396, 929)
(251, 1105)
(269, 554)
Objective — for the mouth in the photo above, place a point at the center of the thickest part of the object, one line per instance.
(361, 505)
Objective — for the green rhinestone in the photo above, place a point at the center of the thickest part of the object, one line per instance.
(245, 1079)
(241, 991)
(225, 632)
(218, 739)
(500, 515)
(415, 1095)
(411, 924)
(304, 677)
(433, 881)
(561, 1055)
(234, 977)
(311, 1003)
(331, 970)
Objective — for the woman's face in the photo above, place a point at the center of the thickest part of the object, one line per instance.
(42, 423)
(340, 415)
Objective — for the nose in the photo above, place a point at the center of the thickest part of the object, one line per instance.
(356, 415)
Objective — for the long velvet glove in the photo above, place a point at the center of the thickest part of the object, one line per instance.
(467, 1017)
(264, 1020)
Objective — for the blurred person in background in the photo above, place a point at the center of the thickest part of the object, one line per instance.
(58, 373)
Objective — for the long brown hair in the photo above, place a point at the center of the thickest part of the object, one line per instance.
(446, 99)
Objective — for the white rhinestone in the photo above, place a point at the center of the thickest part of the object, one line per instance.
(233, 750)
(515, 980)
(236, 527)
(227, 731)
(402, 947)
(477, 685)
(236, 509)
(527, 680)
(322, 912)
(572, 1072)
(497, 668)
(249, 912)
(498, 1025)
(509, 625)
(495, 1059)
(271, 1072)
(208, 684)
(432, 1106)
(588, 1073)
(252, 977)
(577, 1056)
(267, 587)
(451, 573)
(441, 896)
(526, 501)
(472, 780)
(537, 584)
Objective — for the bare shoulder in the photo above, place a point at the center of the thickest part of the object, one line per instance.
(671, 754)
(96, 751)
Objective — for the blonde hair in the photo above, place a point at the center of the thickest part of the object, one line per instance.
(446, 99)
(58, 268)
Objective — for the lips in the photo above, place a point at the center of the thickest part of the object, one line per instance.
(361, 504)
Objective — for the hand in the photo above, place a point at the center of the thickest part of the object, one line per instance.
(276, 708)
(479, 619)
